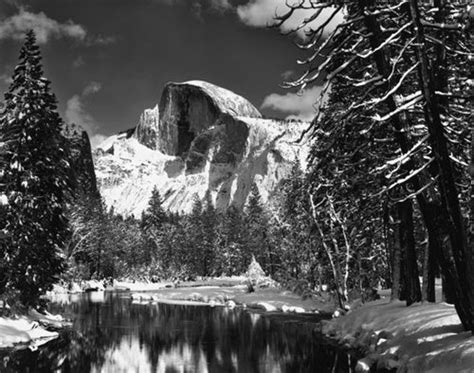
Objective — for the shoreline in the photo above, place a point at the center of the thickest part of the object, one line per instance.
(386, 335)
(30, 331)
(425, 337)
(35, 329)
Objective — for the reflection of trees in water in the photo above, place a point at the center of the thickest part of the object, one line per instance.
(228, 340)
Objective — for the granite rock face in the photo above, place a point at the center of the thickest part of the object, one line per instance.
(202, 137)
(82, 164)
(188, 109)
(147, 130)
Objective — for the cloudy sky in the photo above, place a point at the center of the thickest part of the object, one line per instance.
(108, 60)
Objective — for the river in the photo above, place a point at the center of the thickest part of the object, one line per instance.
(112, 334)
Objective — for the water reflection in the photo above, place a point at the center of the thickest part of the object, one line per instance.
(118, 336)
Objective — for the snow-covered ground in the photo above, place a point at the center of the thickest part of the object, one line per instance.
(27, 331)
(420, 338)
(264, 299)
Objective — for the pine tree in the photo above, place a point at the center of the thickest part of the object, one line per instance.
(257, 225)
(194, 233)
(34, 179)
(232, 240)
(293, 233)
(209, 227)
(155, 215)
(153, 226)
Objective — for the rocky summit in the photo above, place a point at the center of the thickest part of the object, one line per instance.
(199, 137)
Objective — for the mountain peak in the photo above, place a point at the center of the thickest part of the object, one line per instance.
(200, 137)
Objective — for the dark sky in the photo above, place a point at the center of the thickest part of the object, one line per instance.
(108, 60)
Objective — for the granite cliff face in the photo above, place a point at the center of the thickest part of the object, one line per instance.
(147, 130)
(82, 165)
(201, 137)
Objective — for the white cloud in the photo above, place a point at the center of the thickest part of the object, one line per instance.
(6, 79)
(97, 139)
(78, 62)
(261, 13)
(220, 5)
(92, 87)
(101, 40)
(16, 26)
(77, 114)
(197, 5)
(300, 106)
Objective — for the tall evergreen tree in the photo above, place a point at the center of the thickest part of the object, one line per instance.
(33, 180)
(155, 215)
(232, 241)
(257, 225)
(293, 233)
(152, 225)
(194, 235)
(209, 228)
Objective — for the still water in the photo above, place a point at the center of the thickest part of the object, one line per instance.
(112, 334)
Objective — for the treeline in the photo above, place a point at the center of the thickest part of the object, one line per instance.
(282, 237)
(165, 245)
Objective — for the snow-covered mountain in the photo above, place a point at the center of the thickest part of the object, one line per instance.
(199, 137)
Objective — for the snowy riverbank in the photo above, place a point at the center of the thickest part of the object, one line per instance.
(391, 336)
(29, 331)
(270, 299)
(420, 338)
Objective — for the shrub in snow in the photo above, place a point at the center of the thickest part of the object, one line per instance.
(255, 271)
(3, 200)
(256, 275)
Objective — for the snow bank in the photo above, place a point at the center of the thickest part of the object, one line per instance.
(141, 286)
(23, 331)
(419, 338)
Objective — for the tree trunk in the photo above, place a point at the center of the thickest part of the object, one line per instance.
(396, 266)
(429, 271)
(341, 294)
(471, 166)
(448, 292)
(458, 249)
(412, 291)
(383, 67)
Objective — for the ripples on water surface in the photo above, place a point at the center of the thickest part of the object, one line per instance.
(111, 334)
